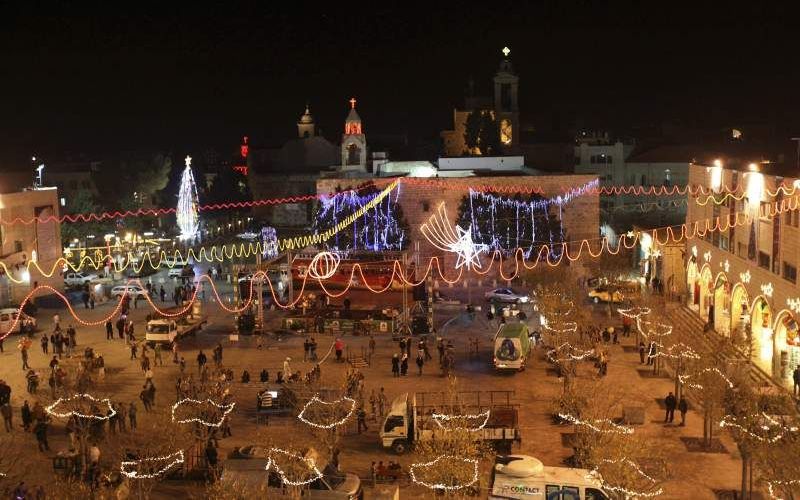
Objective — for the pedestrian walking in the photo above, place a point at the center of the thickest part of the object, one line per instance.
(43, 342)
(641, 352)
(361, 417)
(5, 410)
(40, 430)
(404, 365)
(338, 346)
(109, 330)
(373, 405)
(440, 348)
(23, 351)
(120, 328)
(91, 299)
(123, 415)
(182, 365)
(420, 361)
(175, 353)
(72, 334)
(683, 407)
(157, 355)
(134, 350)
(27, 416)
(132, 415)
(306, 349)
(626, 326)
(371, 344)
(201, 361)
(381, 402)
(145, 362)
(287, 369)
(395, 365)
(796, 379)
(313, 349)
(670, 402)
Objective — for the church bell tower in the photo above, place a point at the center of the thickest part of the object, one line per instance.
(506, 106)
(354, 142)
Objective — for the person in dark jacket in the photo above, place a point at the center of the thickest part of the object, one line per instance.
(683, 407)
(395, 365)
(641, 352)
(670, 402)
(109, 330)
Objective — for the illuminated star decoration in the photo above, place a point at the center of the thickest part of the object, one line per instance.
(316, 400)
(312, 467)
(442, 419)
(468, 251)
(694, 250)
(80, 399)
(193, 402)
(707, 256)
(506, 51)
(745, 276)
(794, 304)
(133, 469)
(767, 289)
(413, 471)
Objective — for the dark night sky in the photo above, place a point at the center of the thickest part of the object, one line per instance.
(97, 80)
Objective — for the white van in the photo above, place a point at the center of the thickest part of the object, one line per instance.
(26, 324)
(518, 477)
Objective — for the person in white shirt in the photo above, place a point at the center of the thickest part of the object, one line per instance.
(286, 368)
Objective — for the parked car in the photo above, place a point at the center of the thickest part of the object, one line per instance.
(181, 272)
(507, 295)
(132, 290)
(603, 294)
(26, 324)
(78, 279)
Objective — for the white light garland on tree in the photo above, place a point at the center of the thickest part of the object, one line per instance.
(51, 410)
(316, 400)
(567, 327)
(441, 486)
(772, 424)
(312, 466)
(186, 212)
(130, 470)
(772, 484)
(583, 353)
(684, 379)
(226, 409)
(634, 312)
(675, 351)
(614, 428)
(441, 419)
(595, 475)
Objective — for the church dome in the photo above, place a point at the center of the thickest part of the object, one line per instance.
(307, 116)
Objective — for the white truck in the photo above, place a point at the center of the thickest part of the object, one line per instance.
(167, 328)
(521, 477)
(410, 418)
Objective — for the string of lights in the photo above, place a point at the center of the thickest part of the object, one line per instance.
(684, 379)
(316, 400)
(544, 255)
(79, 399)
(570, 349)
(634, 312)
(675, 351)
(226, 409)
(772, 425)
(595, 475)
(441, 419)
(612, 427)
(312, 466)
(771, 486)
(130, 469)
(412, 471)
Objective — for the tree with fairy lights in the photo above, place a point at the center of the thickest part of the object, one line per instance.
(508, 223)
(186, 213)
(383, 228)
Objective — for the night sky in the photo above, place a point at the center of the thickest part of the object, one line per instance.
(96, 81)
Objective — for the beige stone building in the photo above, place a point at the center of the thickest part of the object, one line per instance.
(21, 243)
(743, 280)
(421, 197)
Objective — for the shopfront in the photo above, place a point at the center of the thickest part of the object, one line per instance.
(706, 291)
(787, 345)
(761, 331)
(722, 305)
(740, 313)
(693, 284)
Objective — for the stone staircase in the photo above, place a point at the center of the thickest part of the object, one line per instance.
(687, 323)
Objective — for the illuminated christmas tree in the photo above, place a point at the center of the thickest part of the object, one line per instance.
(186, 212)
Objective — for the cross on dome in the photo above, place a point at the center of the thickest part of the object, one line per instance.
(352, 103)
(188, 161)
